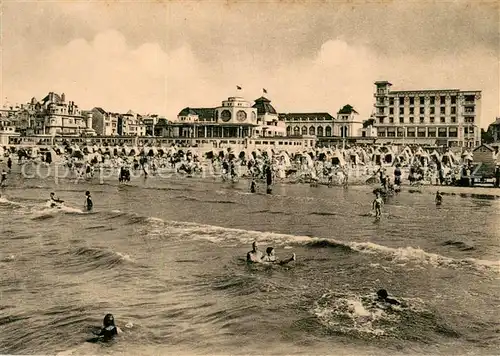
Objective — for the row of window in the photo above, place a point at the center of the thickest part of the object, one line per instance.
(432, 111)
(420, 100)
(313, 131)
(308, 118)
(421, 120)
(422, 132)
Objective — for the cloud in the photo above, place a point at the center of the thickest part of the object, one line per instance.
(109, 71)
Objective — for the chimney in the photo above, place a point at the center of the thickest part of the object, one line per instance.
(63, 97)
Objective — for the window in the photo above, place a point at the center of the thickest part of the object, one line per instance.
(421, 111)
(381, 132)
(312, 131)
(431, 132)
(412, 101)
(391, 132)
(442, 132)
(453, 119)
(453, 100)
(401, 120)
(443, 100)
(431, 119)
(401, 132)
(412, 120)
(391, 101)
(401, 101)
(411, 132)
(328, 131)
(412, 110)
(320, 131)
(442, 120)
(381, 120)
(391, 111)
(391, 120)
(421, 119)
(421, 132)
(401, 111)
(442, 111)
(296, 131)
(432, 111)
(453, 132)
(453, 110)
(432, 100)
(469, 109)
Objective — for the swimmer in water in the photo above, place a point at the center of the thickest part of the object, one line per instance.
(54, 201)
(383, 296)
(4, 178)
(109, 329)
(88, 201)
(439, 198)
(377, 205)
(253, 186)
(255, 256)
(270, 257)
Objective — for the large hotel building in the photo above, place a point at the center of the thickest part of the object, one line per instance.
(446, 117)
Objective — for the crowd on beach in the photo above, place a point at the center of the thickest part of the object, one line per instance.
(330, 166)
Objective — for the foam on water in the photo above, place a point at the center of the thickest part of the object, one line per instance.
(216, 234)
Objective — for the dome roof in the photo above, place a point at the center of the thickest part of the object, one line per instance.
(263, 106)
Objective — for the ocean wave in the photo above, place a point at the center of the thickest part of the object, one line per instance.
(83, 259)
(216, 234)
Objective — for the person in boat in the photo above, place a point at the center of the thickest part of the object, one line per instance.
(271, 257)
(377, 205)
(439, 198)
(88, 201)
(54, 200)
(383, 297)
(109, 329)
(255, 255)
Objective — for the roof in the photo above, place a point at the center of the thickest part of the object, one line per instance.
(314, 115)
(382, 82)
(347, 109)
(101, 110)
(203, 113)
(263, 106)
(484, 145)
(496, 122)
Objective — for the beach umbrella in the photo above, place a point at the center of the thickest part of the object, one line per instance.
(78, 154)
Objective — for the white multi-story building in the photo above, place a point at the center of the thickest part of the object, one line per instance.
(63, 117)
(448, 117)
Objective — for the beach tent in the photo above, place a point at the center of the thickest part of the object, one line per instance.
(449, 158)
(338, 158)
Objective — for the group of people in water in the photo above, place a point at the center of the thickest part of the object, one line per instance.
(88, 205)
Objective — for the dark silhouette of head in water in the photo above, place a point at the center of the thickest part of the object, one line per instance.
(109, 320)
(383, 296)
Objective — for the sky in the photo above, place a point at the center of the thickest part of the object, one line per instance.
(310, 56)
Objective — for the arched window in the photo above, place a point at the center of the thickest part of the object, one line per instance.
(296, 131)
(320, 131)
(312, 131)
(304, 130)
(288, 130)
(328, 131)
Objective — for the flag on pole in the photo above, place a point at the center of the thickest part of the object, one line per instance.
(264, 90)
(238, 87)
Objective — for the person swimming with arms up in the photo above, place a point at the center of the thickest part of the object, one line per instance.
(377, 205)
(109, 329)
(271, 257)
(88, 201)
(54, 200)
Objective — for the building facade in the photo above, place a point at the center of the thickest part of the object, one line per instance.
(62, 117)
(448, 117)
(494, 130)
(320, 124)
